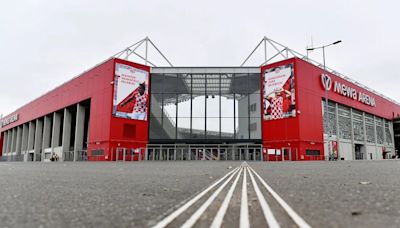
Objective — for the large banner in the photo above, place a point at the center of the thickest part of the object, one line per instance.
(279, 93)
(131, 99)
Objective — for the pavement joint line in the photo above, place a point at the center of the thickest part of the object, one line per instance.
(167, 220)
(195, 216)
(217, 222)
(244, 205)
(269, 216)
(300, 222)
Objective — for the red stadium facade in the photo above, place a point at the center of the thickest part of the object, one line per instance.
(84, 118)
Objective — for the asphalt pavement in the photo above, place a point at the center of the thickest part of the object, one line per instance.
(141, 194)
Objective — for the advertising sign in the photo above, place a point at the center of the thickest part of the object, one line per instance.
(279, 93)
(131, 99)
(335, 149)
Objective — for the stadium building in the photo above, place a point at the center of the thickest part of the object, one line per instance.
(123, 110)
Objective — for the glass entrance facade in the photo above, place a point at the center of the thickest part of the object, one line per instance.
(204, 105)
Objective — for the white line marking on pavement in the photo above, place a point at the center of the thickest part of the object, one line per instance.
(193, 219)
(244, 210)
(296, 218)
(217, 222)
(271, 220)
(175, 214)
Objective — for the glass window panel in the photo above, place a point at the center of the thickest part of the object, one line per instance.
(226, 81)
(388, 135)
(255, 128)
(183, 83)
(358, 130)
(156, 83)
(156, 105)
(370, 131)
(379, 134)
(243, 128)
(344, 127)
(169, 105)
(227, 106)
(213, 105)
(183, 128)
(227, 128)
(169, 127)
(198, 105)
(213, 128)
(378, 121)
(240, 84)
(184, 105)
(255, 105)
(198, 84)
(242, 108)
(198, 127)
(170, 83)
(254, 83)
(156, 131)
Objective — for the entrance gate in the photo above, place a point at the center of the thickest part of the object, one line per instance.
(224, 152)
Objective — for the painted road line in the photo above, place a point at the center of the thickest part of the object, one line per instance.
(244, 206)
(269, 216)
(217, 222)
(300, 222)
(167, 220)
(193, 219)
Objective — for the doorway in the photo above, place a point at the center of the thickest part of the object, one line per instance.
(359, 151)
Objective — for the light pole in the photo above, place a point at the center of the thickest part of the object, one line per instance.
(327, 125)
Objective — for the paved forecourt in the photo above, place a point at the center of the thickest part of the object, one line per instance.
(200, 194)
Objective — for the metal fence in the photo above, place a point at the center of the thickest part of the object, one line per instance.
(80, 155)
(224, 152)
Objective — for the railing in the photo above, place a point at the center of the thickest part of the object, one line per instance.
(80, 155)
(12, 158)
(165, 152)
(127, 154)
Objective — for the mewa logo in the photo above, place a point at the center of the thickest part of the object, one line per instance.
(326, 81)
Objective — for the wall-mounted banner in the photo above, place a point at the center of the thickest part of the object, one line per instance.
(131, 99)
(335, 149)
(279, 93)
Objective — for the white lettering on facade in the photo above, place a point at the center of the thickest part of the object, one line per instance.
(350, 92)
(8, 120)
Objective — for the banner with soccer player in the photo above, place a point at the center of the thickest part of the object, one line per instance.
(279, 93)
(131, 99)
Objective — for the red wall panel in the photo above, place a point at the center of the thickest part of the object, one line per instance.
(105, 131)
(305, 131)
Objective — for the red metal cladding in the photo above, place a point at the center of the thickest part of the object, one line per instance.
(305, 131)
(97, 85)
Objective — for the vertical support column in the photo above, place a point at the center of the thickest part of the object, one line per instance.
(79, 130)
(353, 151)
(19, 141)
(55, 137)
(9, 138)
(31, 135)
(365, 138)
(4, 143)
(14, 140)
(66, 135)
(376, 140)
(24, 141)
(38, 138)
(46, 135)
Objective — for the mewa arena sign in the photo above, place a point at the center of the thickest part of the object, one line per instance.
(346, 91)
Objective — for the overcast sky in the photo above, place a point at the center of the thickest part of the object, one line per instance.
(45, 43)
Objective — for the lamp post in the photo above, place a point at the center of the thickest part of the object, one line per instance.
(327, 125)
